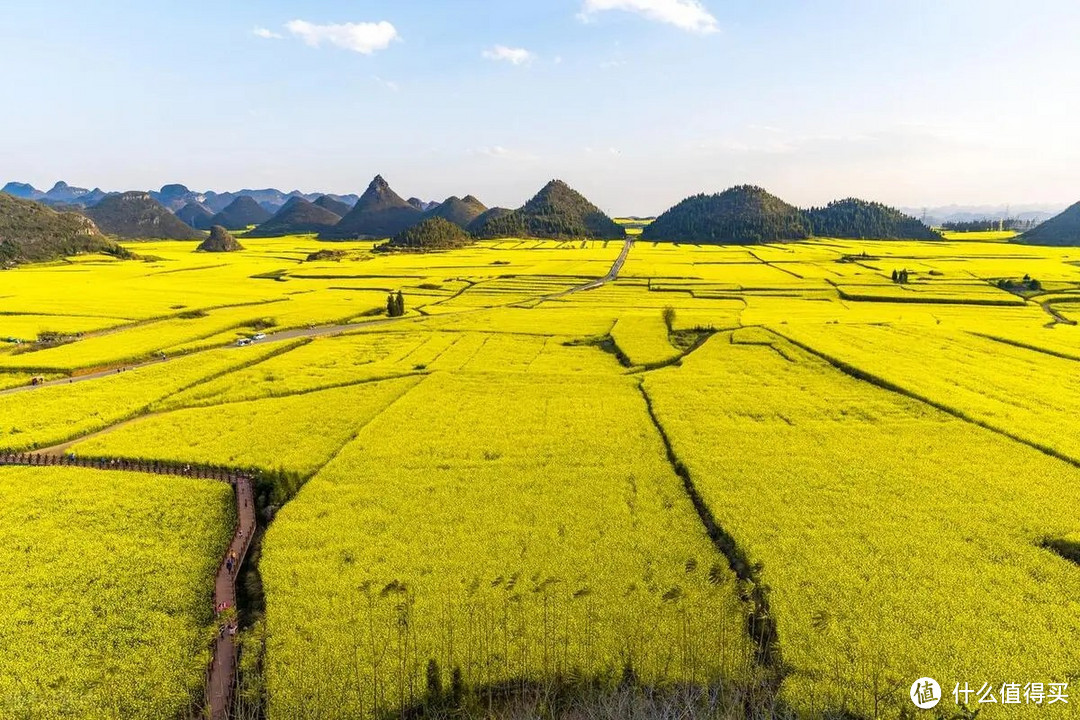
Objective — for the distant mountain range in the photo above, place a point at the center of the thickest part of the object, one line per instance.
(173, 196)
(937, 216)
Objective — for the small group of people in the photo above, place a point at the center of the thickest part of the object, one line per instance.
(231, 627)
(232, 563)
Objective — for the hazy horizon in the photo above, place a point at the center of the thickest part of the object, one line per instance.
(636, 103)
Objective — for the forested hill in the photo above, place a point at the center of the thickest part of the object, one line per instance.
(556, 212)
(460, 211)
(241, 213)
(379, 213)
(31, 232)
(137, 215)
(434, 233)
(859, 219)
(297, 217)
(1061, 231)
(743, 215)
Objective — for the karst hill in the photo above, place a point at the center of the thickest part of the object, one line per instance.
(557, 212)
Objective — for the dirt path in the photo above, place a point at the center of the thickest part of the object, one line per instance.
(1058, 318)
(221, 675)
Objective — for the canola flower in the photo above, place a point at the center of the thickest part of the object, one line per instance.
(897, 541)
(105, 591)
(527, 530)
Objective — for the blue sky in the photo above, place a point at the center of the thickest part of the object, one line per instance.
(637, 103)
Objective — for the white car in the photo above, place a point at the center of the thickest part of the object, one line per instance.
(259, 336)
(243, 341)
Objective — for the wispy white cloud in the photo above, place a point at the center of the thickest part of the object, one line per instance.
(505, 153)
(266, 34)
(515, 56)
(689, 15)
(388, 84)
(364, 38)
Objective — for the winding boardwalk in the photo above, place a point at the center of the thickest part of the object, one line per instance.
(221, 675)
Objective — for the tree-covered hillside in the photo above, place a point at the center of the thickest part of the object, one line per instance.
(136, 215)
(743, 215)
(556, 212)
(297, 217)
(379, 213)
(460, 211)
(859, 219)
(1060, 231)
(435, 233)
(31, 232)
(241, 213)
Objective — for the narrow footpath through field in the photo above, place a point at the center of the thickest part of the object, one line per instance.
(221, 675)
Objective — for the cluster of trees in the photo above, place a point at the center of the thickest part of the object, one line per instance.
(434, 233)
(987, 225)
(743, 215)
(395, 304)
(1029, 284)
(861, 220)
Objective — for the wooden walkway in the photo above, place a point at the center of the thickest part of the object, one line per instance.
(221, 675)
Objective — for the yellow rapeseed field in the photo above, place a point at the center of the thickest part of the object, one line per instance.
(522, 530)
(528, 481)
(105, 591)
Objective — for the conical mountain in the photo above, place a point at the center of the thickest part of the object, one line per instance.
(241, 213)
(220, 240)
(137, 215)
(196, 215)
(460, 211)
(862, 220)
(432, 234)
(297, 217)
(379, 213)
(335, 206)
(743, 215)
(556, 212)
(1061, 231)
(32, 232)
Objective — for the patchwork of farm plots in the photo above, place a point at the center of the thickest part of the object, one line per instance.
(769, 467)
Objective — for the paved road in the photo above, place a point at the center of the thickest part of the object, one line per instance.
(613, 274)
(312, 332)
(282, 336)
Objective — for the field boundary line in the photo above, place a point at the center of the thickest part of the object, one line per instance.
(880, 382)
(364, 425)
(761, 625)
(1025, 346)
(145, 409)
